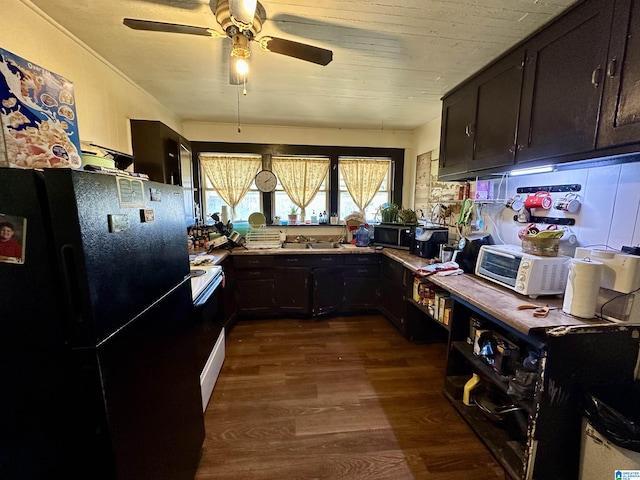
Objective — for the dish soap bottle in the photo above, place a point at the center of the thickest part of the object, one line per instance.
(362, 237)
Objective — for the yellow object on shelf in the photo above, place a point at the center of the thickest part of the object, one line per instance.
(473, 382)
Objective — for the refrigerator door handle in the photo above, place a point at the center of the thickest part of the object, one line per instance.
(72, 282)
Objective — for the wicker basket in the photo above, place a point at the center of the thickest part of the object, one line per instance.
(544, 247)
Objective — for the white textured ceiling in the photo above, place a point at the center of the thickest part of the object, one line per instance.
(392, 59)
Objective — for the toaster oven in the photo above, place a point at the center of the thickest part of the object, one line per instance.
(524, 273)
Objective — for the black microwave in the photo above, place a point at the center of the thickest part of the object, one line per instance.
(394, 235)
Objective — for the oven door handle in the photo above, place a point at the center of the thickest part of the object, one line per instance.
(208, 291)
(500, 254)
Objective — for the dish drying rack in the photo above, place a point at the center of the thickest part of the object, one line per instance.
(262, 238)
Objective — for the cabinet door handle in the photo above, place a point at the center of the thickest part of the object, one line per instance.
(596, 77)
(613, 67)
(469, 130)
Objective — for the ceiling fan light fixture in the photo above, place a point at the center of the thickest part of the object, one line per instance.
(242, 67)
(240, 47)
(242, 13)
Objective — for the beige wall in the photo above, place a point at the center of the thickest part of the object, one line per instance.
(105, 98)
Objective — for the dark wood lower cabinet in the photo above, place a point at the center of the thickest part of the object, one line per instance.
(292, 295)
(361, 281)
(327, 289)
(255, 296)
(392, 302)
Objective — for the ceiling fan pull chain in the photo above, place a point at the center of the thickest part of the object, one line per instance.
(238, 95)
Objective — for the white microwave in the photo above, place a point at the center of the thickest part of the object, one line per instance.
(524, 273)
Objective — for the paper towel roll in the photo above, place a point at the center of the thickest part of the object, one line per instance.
(583, 285)
(224, 214)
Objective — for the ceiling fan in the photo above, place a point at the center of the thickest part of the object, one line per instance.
(241, 21)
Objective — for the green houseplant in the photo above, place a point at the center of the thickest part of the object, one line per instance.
(388, 212)
(293, 215)
(407, 216)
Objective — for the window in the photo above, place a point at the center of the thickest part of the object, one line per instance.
(234, 184)
(213, 203)
(332, 195)
(302, 181)
(347, 205)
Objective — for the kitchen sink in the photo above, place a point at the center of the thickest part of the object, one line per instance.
(324, 245)
(311, 245)
(295, 246)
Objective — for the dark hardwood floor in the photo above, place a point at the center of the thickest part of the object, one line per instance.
(336, 398)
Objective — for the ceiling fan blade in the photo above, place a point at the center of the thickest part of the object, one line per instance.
(242, 12)
(298, 50)
(170, 28)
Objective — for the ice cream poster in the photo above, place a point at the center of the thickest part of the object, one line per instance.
(38, 116)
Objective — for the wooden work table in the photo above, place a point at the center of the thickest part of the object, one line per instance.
(498, 301)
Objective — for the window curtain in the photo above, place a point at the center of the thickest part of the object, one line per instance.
(363, 178)
(231, 176)
(301, 178)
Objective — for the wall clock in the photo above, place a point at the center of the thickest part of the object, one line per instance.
(266, 181)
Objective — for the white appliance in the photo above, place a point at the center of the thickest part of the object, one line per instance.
(600, 459)
(206, 281)
(618, 299)
(524, 273)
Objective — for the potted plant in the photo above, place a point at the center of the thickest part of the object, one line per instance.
(407, 216)
(293, 215)
(334, 218)
(388, 212)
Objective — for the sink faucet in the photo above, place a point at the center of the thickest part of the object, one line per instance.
(303, 239)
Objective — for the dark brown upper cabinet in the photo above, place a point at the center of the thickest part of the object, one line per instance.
(563, 84)
(456, 142)
(620, 118)
(480, 119)
(166, 157)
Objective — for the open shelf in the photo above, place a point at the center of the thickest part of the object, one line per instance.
(425, 310)
(487, 372)
(508, 453)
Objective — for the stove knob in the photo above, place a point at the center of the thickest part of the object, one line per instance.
(525, 264)
(520, 286)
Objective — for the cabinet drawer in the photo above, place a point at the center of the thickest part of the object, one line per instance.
(393, 270)
(253, 274)
(253, 261)
(362, 271)
(368, 259)
(325, 260)
(291, 260)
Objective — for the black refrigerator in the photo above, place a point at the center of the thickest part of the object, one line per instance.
(98, 374)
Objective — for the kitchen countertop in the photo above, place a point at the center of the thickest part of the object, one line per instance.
(498, 301)
(491, 298)
(344, 249)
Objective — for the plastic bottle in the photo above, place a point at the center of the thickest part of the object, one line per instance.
(362, 237)
(473, 382)
(314, 218)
